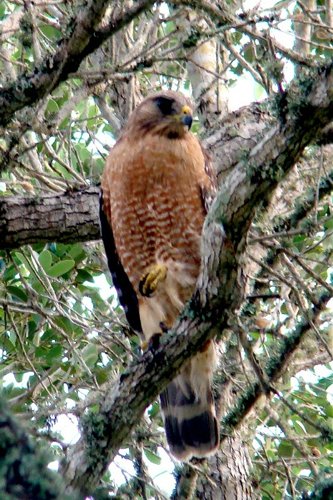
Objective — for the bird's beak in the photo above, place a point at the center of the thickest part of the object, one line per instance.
(186, 116)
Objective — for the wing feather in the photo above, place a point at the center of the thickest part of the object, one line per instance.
(125, 291)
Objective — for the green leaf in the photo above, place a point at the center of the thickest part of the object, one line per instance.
(17, 292)
(49, 334)
(102, 375)
(90, 354)
(50, 32)
(64, 124)
(154, 409)
(329, 224)
(285, 449)
(45, 259)
(83, 152)
(32, 327)
(65, 324)
(83, 275)
(54, 353)
(9, 274)
(40, 352)
(152, 457)
(22, 259)
(52, 106)
(18, 377)
(2, 11)
(8, 344)
(61, 268)
(77, 252)
(298, 427)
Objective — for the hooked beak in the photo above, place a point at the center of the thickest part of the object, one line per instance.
(186, 116)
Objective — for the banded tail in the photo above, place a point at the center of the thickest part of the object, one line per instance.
(188, 408)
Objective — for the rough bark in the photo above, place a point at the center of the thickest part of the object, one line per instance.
(66, 217)
(229, 473)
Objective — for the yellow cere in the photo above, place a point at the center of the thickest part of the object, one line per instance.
(186, 110)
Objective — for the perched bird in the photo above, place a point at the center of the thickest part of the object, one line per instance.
(155, 193)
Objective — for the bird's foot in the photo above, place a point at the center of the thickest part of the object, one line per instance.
(164, 328)
(152, 344)
(151, 279)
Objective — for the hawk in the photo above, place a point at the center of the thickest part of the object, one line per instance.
(155, 191)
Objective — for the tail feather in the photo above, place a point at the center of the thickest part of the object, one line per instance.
(190, 422)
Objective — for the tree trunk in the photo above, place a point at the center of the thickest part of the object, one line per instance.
(228, 474)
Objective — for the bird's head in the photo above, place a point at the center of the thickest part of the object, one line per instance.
(167, 113)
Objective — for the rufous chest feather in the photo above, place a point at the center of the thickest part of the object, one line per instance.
(156, 200)
(159, 161)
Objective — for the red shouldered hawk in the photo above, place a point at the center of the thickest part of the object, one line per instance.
(154, 193)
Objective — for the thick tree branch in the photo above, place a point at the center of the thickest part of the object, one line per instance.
(84, 37)
(73, 216)
(66, 217)
(221, 286)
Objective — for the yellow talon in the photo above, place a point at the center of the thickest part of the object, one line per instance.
(151, 279)
(152, 344)
(144, 345)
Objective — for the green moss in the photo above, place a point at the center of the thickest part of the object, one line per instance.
(26, 30)
(94, 425)
(233, 417)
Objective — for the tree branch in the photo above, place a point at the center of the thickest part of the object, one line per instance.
(84, 37)
(66, 217)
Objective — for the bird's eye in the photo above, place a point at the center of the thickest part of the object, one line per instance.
(165, 105)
